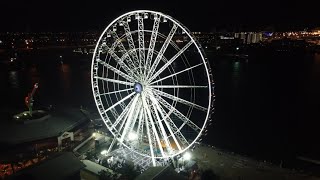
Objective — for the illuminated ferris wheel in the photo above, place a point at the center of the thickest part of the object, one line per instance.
(152, 84)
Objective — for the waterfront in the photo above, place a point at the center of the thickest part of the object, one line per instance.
(259, 107)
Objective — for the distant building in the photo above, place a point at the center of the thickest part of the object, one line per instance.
(252, 37)
(242, 36)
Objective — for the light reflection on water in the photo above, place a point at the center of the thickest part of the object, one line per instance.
(65, 74)
(67, 83)
(13, 79)
(236, 73)
(34, 75)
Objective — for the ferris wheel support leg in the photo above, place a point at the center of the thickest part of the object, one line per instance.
(174, 162)
(111, 145)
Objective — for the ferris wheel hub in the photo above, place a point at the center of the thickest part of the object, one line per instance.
(138, 87)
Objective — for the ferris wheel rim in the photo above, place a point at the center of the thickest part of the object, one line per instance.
(204, 62)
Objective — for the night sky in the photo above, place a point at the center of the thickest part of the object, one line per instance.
(198, 15)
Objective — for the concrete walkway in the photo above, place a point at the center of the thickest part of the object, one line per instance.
(229, 166)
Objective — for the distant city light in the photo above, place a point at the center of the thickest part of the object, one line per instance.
(94, 134)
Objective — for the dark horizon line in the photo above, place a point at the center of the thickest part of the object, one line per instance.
(226, 30)
(235, 27)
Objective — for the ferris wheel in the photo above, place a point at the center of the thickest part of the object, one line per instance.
(152, 84)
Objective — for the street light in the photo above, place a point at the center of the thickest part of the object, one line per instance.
(132, 136)
(103, 152)
(187, 156)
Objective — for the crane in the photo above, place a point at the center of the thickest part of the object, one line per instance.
(29, 99)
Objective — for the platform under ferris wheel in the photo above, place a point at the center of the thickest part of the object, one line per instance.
(152, 84)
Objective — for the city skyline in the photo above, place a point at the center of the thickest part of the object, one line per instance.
(198, 16)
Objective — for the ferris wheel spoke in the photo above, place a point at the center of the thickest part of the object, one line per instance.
(119, 91)
(152, 44)
(179, 114)
(176, 86)
(140, 126)
(120, 118)
(114, 81)
(161, 131)
(175, 74)
(130, 118)
(180, 100)
(122, 49)
(122, 74)
(120, 62)
(173, 129)
(150, 140)
(117, 103)
(107, 122)
(124, 120)
(130, 42)
(161, 127)
(144, 102)
(177, 134)
(137, 112)
(171, 60)
(141, 43)
(123, 113)
(162, 50)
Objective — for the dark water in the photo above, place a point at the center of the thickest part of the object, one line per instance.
(59, 84)
(266, 108)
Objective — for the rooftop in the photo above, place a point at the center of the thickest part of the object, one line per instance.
(62, 166)
(61, 120)
(94, 167)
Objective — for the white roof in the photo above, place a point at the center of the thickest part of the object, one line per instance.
(94, 167)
